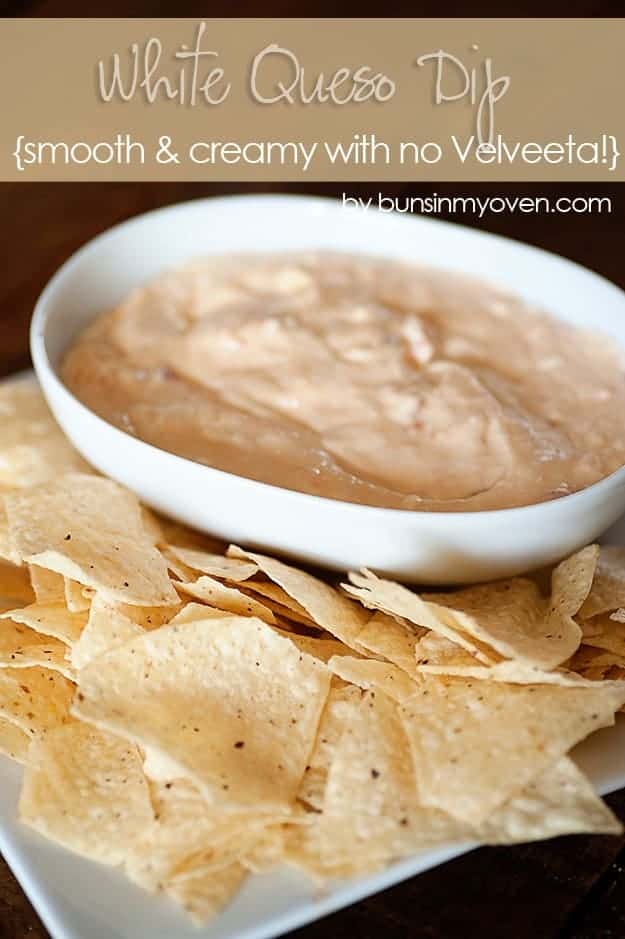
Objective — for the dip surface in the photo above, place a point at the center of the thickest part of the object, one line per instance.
(361, 379)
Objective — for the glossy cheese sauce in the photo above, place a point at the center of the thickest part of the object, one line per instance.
(357, 378)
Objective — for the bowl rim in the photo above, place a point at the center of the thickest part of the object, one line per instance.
(41, 318)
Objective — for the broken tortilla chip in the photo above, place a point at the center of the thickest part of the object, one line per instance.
(33, 448)
(232, 703)
(608, 587)
(51, 619)
(395, 600)
(14, 742)
(558, 802)
(90, 530)
(15, 588)
(228, 599)
(514, 619)
(34, 699)
(207, 892)
(106, 628)
(478, 743)
(395, 640)
(339, 709)
(370, 674)
(215, 565)
(85, 789)
(48, 586)
(325, 605)
(22, 647)
(604, 632)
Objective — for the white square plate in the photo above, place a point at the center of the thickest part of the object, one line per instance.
(78, 899)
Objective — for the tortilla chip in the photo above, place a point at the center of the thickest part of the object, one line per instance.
(437, 656)
(393, 639)
(215, 565)
(371, 810)
(340, 706)
(370, 674)
(32, 447)
(572, 579)
(77, 598)
(86, 790)
(608, 587)
(434, 649)
(192, 612)
(34, 699)
(397, 601)
(5, 550)
(177, 568)
(159, 769)
(513, 673)
(14, 742)
(48, 586)
(476, 744)
(206, 893)
(279, 601)
(177, 535)
(560, 801)
(15, 589)
(325, 605)
(225, 598)
(514, 619)
(105, 629)
(232, 703)
(592, 663)
(51, 619)
(318, 647)
(189, 836)
(89, 529)
(21, 647)
(604, 632)
(152, 525)
(148, 617)
(268, 850)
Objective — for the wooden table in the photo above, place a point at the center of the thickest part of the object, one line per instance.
(570, 888)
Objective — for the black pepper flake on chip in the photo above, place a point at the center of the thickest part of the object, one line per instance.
(239, 744)
(375, 773)
(68, 537)
(126, 584)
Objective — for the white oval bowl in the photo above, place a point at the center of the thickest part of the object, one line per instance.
(426, 547)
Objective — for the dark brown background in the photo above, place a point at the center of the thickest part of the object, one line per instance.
(571, 888)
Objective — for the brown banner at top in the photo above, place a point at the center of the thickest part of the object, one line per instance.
(317, 99)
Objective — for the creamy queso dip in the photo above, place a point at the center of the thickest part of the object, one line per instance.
(358, 378)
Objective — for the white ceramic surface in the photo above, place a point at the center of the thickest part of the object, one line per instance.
(79, 899)
(415, 546)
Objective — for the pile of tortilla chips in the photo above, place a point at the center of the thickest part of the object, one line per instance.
(192, 715)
